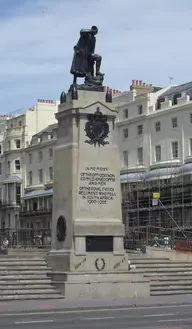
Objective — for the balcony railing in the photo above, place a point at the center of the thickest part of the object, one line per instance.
(37, 212)
(9, 204)
(14, 131)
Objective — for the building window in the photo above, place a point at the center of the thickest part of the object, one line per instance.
(159, 101)
(190, 118)
(30, 158)
(30, 178)
(17, 165)
(50, 153)
(0, 149)
(18, 144)
(0, 168)
(126, 113)
(140, 155)
(158, 153)
(20, 123)
(40, 155)
(125, 133)
(157, 126)
(125, 159)
(50, 174)
(140, 129)
(11, 126)
(175, 150)
(140, 109)
(9, 145)
(18, 193)
(8, 167)
(16, 221)
(190, 146)
(41, 203)
(174, 123)
(40, 176)
(9, 221)
(175, 97)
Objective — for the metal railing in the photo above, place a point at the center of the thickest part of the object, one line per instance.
(37, 212)
(25, 238)
(156, 236)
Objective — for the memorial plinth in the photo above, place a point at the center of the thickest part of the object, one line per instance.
(87, 258)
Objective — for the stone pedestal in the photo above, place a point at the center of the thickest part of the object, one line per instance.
(87, 196)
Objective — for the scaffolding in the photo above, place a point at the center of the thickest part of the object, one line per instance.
(169, 216)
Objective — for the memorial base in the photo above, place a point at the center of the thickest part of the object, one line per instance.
(62, 261)
(111, 285)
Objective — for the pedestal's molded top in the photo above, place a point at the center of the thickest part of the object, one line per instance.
(85, 98)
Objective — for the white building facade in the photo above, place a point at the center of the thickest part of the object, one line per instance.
(36, 209)
(20, 127)
(155, 141)
(155, 129)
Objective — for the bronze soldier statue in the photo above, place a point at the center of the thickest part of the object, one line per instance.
(86, 64)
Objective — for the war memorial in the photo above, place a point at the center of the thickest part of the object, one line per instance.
(87, 256)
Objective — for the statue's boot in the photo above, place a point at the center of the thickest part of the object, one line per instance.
(100, 74)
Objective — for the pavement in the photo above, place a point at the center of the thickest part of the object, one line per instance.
(17, 306)
(140, 317)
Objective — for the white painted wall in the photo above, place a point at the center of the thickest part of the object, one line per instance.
(151, 138)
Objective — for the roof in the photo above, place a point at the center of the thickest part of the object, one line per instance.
(48, 129)
(163, 173)
(12, 179)
(155, 174)
(155, 89)
(186, 87)
(187, 168)
(132, 177)
(37, 193)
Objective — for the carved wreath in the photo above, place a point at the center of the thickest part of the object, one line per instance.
(100, 264)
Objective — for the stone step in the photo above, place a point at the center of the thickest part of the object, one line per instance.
(23, 268)
(172, 277)
(158, 263)
(28, 292)
(22, 263)
(160, 266)
(22, 282)
(21, 287)
(171, 283)
(24, 272)
(150, 261)
(23, 277)
(169, 271)
(7, 258)
(171, 292)
(35, 296)
(144, 258)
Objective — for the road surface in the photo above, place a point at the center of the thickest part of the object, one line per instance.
(147, 317)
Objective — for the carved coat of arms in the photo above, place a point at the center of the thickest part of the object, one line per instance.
(97, 128)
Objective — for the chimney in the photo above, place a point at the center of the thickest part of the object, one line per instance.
(141, 87)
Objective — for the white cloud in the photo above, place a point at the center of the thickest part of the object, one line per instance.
(148, 40)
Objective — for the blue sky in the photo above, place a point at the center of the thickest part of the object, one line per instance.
(147, 40)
